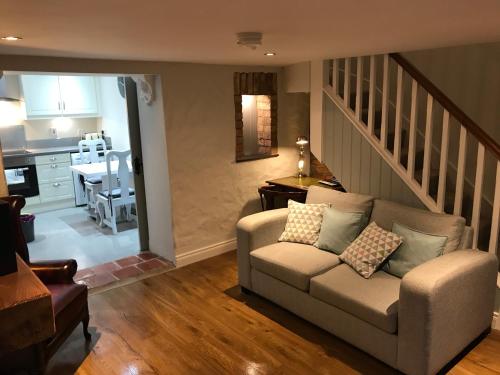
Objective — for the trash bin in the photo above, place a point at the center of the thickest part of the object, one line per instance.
(28, 225)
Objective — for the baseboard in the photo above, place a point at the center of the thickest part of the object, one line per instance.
(206, 252)
(496, 321)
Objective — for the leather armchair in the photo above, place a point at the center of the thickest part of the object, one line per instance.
(69, 300)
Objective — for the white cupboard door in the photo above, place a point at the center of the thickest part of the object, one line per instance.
(79, 95)
(41, 95)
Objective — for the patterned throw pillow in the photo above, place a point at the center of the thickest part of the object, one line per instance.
(370, 249)
(303, 222)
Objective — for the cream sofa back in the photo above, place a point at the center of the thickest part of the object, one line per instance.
(343, 201)
(385, 213)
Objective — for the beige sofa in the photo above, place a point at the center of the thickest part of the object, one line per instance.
(416, 324)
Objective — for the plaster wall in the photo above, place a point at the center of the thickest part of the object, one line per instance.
(113, 118)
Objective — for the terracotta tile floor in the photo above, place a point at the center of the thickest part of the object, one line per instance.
(122, 269)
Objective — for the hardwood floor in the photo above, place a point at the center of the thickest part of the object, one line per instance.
(194, 320)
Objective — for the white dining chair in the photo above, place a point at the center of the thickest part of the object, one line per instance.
(92, 185)
(117, 192)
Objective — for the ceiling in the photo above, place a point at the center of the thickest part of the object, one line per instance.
(204, 30)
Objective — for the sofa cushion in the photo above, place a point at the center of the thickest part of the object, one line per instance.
(373, 300)
(303, 223)
(385, 213)
(343, 201)
(339, 229)
(293, 263)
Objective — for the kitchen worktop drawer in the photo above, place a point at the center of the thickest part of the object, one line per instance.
(55, 191)
(52, 158)
(54, 172)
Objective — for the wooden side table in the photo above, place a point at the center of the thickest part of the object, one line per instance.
(301, 183)
(26, 314)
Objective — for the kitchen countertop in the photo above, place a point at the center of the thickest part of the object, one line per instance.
(48, 151)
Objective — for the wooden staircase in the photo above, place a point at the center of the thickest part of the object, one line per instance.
(424, 137)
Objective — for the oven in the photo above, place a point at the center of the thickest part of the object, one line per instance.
(20, 173)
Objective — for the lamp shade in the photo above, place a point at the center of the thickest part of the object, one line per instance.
(302, 140)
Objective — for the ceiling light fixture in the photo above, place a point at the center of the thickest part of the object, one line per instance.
(11, 38)
(270, 54)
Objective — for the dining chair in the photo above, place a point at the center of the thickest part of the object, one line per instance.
(117, 192)
(92, 185)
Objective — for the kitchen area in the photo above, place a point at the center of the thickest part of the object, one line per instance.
(66, 149)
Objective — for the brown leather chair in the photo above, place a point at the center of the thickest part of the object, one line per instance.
(69, 300)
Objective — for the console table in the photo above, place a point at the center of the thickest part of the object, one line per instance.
(301, 183)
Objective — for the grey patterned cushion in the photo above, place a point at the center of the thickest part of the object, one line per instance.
(303, 222)
(370, 249)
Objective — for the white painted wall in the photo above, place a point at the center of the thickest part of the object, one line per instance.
(297, 77)
(156, 174)
(316, 112)
(113, 119)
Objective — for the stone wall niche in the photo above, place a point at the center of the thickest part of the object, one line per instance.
(255, 100)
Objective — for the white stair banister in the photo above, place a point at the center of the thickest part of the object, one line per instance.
(427, 145)
(495, 219)
(478, 192)
(443, 161)
(399, 116)
(359, 88)
(347, 81)
(335, 76)
(385, 96)
(413, 129)
(371, 96)
(459, 184)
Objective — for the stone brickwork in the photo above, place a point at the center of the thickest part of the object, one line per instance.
(264, 124)
(265, 85)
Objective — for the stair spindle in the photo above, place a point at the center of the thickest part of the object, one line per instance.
(495, 219)
(359, 88)
(427, 145)
(347, 82)
(335, 76)
(385, 96)
(443, 161)
(413, 129)
(459, 185)
(478, 191)
(371, 96)
(399, 117)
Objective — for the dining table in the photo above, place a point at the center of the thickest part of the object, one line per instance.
(97, 170)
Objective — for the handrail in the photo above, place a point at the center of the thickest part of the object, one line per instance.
(451, 107)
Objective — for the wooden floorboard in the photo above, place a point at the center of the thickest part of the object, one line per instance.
(194, 320)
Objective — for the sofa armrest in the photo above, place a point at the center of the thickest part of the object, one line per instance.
(253, 232)
(55, 271)
(444, 304)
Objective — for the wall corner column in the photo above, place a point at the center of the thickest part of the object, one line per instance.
(316, 108)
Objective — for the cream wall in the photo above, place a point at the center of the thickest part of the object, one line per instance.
(73, 127)
(210, 191)
(114, 119)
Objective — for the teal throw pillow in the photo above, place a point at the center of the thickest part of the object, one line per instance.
(339, 229)
(417, 248)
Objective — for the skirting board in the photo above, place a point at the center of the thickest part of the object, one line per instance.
(193, 256)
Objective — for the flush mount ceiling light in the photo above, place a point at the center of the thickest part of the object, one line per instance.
(249, 39)
(11, 38)
(270, 54)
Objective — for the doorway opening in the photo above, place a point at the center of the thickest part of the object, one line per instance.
(71, 145)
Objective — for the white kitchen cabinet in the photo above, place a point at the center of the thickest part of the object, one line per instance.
(49, 96)
(41, 95)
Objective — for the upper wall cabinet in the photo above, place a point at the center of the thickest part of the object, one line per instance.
(52, 96)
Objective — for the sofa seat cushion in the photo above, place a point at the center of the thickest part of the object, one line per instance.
(374, 300)
(293, 263)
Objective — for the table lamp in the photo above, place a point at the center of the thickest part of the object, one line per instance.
(301, 142)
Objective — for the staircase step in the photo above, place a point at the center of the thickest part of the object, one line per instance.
(419, 159)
